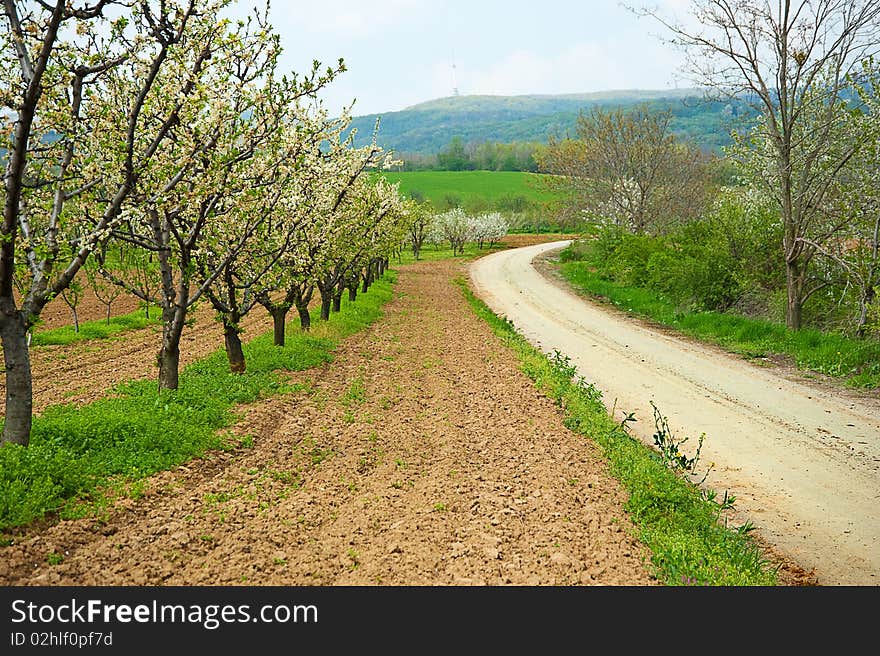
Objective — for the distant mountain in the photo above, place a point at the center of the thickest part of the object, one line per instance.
(427, 127)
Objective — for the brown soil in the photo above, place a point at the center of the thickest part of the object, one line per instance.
(85, 371)
(57, 313)
(421, 456)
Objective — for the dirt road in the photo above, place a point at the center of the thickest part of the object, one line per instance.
(803, 460)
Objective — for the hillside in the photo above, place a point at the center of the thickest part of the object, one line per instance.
(427, 127)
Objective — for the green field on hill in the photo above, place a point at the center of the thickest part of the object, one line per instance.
(466, 187)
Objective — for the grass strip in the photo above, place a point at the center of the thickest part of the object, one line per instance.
(96, 329)
(682, 525)
(79, 455)
(855, 361)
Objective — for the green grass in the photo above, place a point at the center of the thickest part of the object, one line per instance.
(855, 361)
(78, 456)
(490, 186)
(97, 329)
(431, 253)
(683, 527)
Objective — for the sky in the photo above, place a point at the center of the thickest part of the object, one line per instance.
(402, 52)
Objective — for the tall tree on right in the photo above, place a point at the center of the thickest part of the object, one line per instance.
(791, 61)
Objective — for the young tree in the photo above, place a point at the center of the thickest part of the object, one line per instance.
(854, 206)
(60, 201)
(419, 226)
(104, 291)
(320, 225)
(358, 221)
(628, 167)
(266, 193)
(790, 60)
(489, 228)
(455, 227)
(186, 210)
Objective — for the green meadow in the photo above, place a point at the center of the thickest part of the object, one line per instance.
(496, 189)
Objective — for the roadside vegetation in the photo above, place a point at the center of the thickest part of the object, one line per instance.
(683, 524)
(660, 283)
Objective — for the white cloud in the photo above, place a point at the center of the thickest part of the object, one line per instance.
(582, 67)
(347, 18)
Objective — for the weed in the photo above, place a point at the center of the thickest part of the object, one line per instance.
(54, 558)
(670, 451)
(356, 394)
(89, 330)
(282, 476)
(211, 498)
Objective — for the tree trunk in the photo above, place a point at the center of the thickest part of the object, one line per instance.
(353, 292)
(864, 304)
(169, 355)
(19, 384)
(794, 283)
(234, 352)
(279, 320)
(368, 280)
(337, 298)
(305, 317)
(326, 304)
(169, 364)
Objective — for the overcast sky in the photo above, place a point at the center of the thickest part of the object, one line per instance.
(401, 52)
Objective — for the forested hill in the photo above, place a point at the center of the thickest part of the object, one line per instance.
(429, 126)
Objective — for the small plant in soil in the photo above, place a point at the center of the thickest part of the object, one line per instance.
(670, 449)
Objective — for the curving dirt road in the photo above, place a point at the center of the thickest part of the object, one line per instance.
(803, 460)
